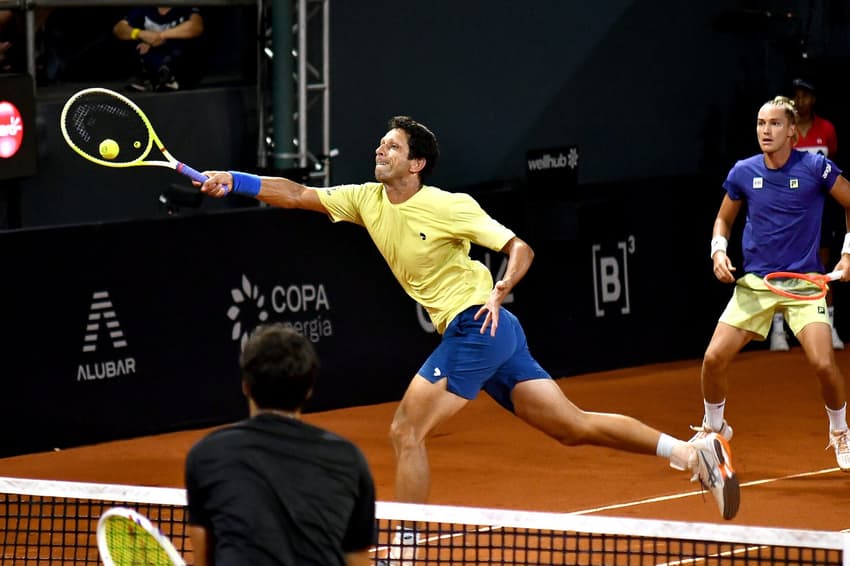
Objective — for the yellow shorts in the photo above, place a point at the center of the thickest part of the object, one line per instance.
(752, 306)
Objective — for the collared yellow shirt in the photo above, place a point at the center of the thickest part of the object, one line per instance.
(425, 241)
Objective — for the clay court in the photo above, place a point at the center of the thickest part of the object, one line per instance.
(485, 457)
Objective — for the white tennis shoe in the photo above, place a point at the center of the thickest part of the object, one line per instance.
(704, 430)
(712, 467)
(840, 441)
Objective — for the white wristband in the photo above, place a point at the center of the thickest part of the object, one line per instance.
(719, 244)
(845, 249)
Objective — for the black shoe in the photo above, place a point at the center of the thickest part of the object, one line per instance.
(170, 85)
(165, 81)
(140, 84)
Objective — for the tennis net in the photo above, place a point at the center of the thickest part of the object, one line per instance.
(53, 522)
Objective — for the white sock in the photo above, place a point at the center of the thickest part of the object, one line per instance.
(714, 414)
(778, 322)
(680, 453)
(831, 310)
(837, 418)
(665, 445)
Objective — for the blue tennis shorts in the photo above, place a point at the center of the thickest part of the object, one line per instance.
(472, 361)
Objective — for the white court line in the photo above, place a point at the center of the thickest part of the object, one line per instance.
(691, 493)
(700, 492)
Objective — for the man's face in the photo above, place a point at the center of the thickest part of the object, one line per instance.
(773, 128)
(392, 157)
(804, 100)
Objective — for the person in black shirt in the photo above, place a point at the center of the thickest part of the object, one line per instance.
(167, 42)
(272, 489)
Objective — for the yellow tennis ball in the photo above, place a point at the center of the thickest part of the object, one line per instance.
(109, 149)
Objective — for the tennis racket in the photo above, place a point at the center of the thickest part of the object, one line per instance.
(804, 286)
(125, 537)
(109, 129)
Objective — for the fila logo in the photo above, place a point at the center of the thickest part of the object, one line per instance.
(758, 183)
(795, 184)
(102, 312)
(821, 310)
(827, 171)
(437, 372)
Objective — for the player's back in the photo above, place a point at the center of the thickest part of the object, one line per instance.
(276, 490)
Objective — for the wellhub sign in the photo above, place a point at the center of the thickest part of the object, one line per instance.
(552, 173)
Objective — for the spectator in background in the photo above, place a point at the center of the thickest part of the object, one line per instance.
(272, 489)
(167, 43)
(815, 135)
(12, 43)
(7, 28)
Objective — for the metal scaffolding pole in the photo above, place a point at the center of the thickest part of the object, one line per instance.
(305, 142)
(283, 94)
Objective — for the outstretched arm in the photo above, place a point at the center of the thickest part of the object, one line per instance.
(520, 256)
(274, 191)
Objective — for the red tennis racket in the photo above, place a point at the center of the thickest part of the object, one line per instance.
(803, 286)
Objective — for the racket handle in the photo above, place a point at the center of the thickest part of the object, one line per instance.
(193, 174)
(835, 275)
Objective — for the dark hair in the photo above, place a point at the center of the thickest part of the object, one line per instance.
(279, 367)
(421, 140)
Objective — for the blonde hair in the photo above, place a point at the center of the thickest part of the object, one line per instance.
(790, 109)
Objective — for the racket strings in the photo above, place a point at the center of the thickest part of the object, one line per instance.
(92, 119)
(797, 286)
(794, 284)
(129, 543)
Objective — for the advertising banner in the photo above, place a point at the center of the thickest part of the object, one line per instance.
(126, 329)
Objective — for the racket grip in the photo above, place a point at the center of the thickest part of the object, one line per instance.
(835, 275)
(193, 174)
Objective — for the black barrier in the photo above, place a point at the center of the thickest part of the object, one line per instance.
(552, 173)
(621, 275)
(124, 329)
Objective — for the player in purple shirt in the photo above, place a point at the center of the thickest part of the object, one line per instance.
(785, 208)
(784, 190)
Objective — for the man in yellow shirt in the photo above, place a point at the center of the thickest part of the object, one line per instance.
(424, 234)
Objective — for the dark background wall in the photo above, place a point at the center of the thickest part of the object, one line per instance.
(120, 329)
(645, 89)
